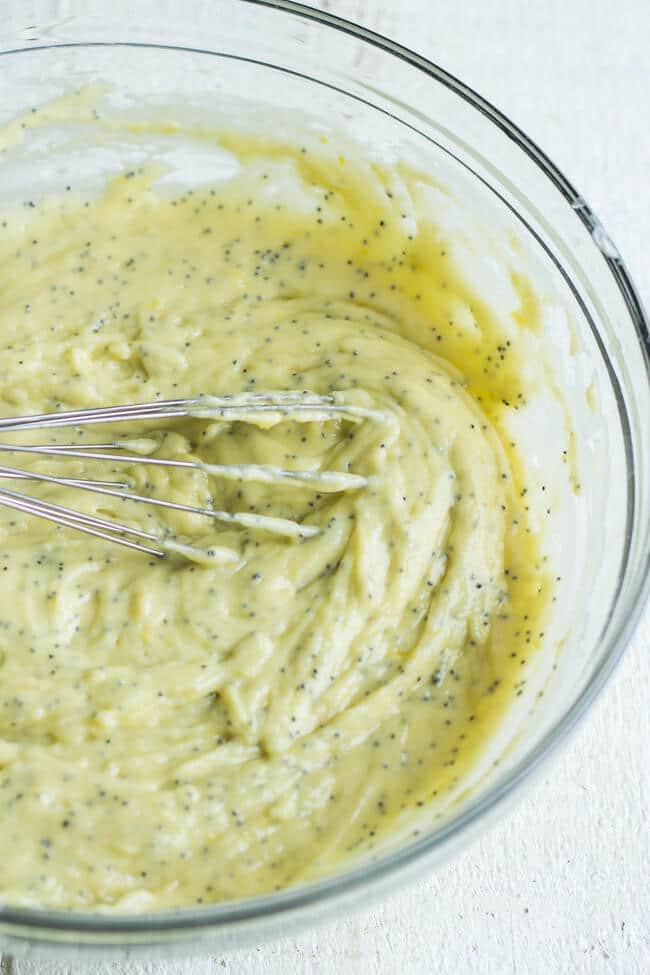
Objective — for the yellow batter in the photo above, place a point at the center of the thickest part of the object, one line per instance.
(172, 733)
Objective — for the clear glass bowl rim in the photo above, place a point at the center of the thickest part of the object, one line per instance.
(414, 858)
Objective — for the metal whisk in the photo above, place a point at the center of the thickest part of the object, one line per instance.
(261, 409)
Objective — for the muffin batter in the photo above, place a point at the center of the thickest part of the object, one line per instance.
(176, 734)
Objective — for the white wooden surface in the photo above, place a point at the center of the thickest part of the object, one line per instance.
(563, 885)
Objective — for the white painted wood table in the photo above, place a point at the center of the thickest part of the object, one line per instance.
(563, 885)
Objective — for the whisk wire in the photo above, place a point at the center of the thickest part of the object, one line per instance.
(264, 409)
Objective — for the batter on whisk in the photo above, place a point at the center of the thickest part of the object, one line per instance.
(175, 732)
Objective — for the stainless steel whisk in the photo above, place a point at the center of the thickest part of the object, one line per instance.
(261, 409)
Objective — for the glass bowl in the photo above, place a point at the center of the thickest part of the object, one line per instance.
(288, 56)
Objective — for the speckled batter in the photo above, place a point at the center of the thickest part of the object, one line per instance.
(174, 734)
